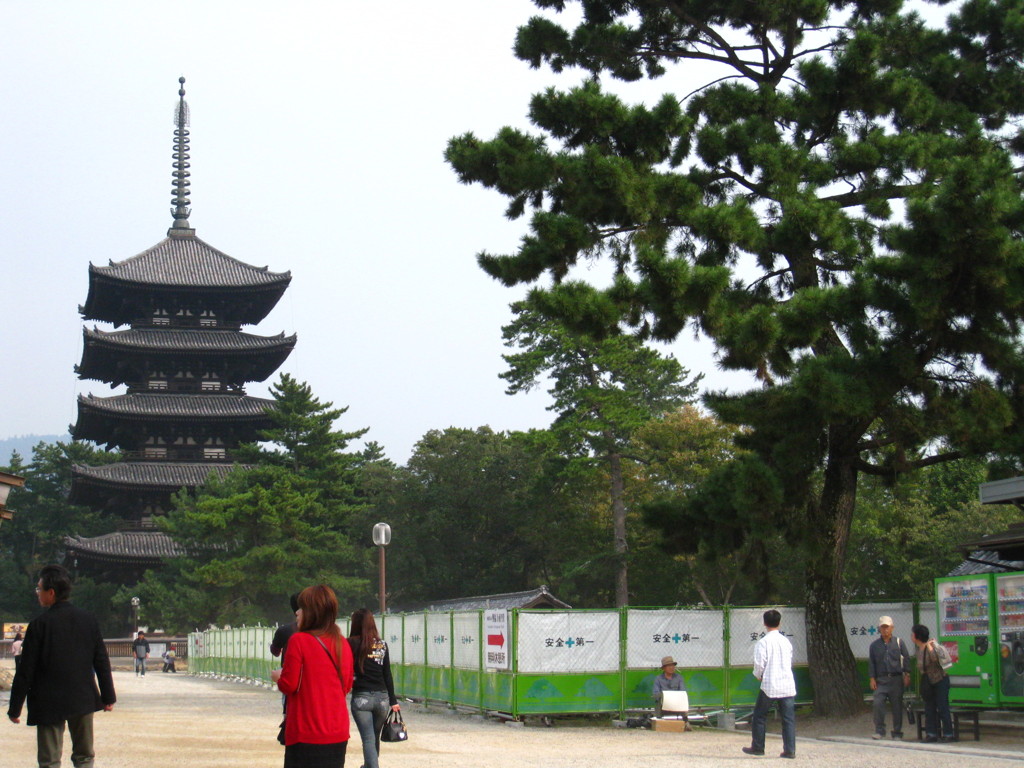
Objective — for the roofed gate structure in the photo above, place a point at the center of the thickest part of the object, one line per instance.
(185, 361)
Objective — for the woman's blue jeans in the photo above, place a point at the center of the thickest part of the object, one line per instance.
(370, 710)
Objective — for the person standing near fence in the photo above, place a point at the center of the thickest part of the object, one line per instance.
(316, 676)
(889, 673)
(63, 657)
(773, 666)
(16, 650)
(373, 691)
(140, 648)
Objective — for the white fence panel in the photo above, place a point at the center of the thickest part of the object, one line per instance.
(391, 633)
(439, 639)
(568, 642)
(746, 627)
(693, 638)
(466, 638)
(415, 633)
(861, 623)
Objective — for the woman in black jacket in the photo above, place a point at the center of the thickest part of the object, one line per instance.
(373, 691)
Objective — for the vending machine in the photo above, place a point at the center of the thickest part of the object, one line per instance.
(966, 629)
(1009, 594)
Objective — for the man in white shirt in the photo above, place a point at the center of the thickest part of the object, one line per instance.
(773, 666)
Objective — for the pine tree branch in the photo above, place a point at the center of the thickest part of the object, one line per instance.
(888, 470)
(861, 196)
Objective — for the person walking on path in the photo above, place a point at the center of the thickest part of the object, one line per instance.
(773, 666)
(889, 673)
(16, 650)
(140, 646)
(373, 691)
(933, 661)
(63, 658)
(316, 676)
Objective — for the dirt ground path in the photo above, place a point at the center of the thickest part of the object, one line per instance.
(173, 721)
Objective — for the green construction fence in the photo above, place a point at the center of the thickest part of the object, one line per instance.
(549, 662)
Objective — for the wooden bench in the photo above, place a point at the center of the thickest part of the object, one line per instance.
(969, 715)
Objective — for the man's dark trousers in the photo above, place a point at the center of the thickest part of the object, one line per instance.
(50, 742)
(888, 687)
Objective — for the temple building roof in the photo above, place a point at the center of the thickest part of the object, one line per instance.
(180, 340)
(118, 357)
(147, 475)
(188, 261)
(184, 263)
(136, 547)
(531, 598)
(145, 406)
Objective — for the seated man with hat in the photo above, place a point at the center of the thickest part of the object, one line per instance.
(668, 680)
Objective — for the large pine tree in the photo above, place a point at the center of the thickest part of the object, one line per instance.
(837, 206)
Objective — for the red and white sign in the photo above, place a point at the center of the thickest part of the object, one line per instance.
(496, 633)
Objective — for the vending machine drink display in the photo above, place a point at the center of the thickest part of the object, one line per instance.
(1009, 591)
(966, 629)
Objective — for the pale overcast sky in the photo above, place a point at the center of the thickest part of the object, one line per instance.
(317, 133)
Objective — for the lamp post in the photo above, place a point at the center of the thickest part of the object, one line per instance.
(381, 538)
(135, 615)
(8, 481)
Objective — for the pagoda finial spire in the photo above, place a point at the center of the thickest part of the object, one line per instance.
(181, 211)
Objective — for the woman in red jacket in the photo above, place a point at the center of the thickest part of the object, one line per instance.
(317, 674)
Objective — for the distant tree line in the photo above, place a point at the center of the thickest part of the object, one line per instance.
(474, 511)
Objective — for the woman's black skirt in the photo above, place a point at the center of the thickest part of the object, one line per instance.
(315, 755)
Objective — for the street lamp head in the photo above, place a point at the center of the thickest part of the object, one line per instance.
(381, 534)
(136, 601)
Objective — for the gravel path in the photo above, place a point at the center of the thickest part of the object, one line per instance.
(170, 721)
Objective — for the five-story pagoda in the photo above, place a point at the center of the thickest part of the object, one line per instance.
(185, 362)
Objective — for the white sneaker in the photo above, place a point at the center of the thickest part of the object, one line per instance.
(877, 736)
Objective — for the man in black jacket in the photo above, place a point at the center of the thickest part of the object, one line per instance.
(61, 661)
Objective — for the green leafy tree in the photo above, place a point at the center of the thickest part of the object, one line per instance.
(603, 390)
(473, 512)
(280, 523)
(43, 517)
(905, 534)
(680, 451)
(836, 204)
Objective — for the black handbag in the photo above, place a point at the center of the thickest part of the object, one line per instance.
(911, 717)
(394, 728)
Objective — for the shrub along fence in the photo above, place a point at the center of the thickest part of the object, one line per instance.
(545, 662)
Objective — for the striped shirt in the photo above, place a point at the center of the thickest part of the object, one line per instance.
(773, 665)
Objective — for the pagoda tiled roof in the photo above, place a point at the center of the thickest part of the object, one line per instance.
(124, 547)
(191, 340)
(149, 475)
(205, 406)
(191, 262)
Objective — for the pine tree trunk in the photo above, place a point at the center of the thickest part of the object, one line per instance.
(619, 529)
(831, 663)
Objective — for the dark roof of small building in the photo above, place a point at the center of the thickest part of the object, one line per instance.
(1006, 545)
(204, 405)
(188, 261)
(531, 598)
(148, 475)
(124, 547)
(984, 561)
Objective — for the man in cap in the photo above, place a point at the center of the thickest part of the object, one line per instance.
(889, 670)
(668, 680)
